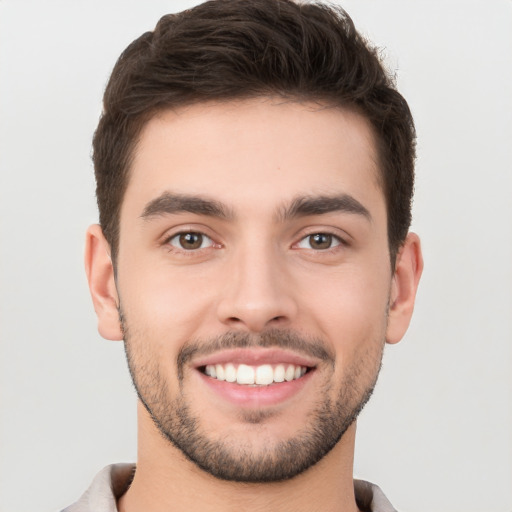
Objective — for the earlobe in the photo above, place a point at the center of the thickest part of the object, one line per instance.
(408, 269)
(100, 275)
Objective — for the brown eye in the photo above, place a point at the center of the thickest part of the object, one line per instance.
(319, 242)
(190, 241)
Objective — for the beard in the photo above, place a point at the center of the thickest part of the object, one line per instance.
(241, 462)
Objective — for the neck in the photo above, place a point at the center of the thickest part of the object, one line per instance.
(166, 480)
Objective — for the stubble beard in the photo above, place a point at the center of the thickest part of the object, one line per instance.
(178, 424)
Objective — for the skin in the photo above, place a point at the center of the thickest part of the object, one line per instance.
(257, 271)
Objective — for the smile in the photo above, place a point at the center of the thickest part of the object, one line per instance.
(256, 377)
(262, 375)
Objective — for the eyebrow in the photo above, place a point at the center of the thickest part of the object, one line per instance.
(319, 205)
(168, 203)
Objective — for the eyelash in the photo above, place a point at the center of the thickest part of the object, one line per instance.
(331, 239)
(172, 247)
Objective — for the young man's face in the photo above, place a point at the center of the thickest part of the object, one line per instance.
(254, 281)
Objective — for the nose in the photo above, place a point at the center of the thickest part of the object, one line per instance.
(257, 293)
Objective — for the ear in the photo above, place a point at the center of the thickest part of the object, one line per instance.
(100, 275)
(408, 269)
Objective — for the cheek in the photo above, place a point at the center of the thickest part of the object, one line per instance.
(350, 310)
(167, 305)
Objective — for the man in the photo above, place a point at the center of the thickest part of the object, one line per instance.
(254, 169)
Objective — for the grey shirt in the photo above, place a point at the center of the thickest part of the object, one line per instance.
(113, 481)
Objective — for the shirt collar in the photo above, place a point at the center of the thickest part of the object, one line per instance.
(113, 481)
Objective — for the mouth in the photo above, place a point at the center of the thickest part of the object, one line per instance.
(256, 377)
(261, 375)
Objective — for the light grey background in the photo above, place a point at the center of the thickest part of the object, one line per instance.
(438, 434)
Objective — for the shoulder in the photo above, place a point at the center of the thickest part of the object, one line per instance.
(370, 498)
(108, 485)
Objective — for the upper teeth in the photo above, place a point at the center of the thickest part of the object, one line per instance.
(264, 374)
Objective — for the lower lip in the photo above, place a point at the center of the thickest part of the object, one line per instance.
(256, 396)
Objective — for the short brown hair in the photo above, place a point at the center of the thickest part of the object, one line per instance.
(236, 49)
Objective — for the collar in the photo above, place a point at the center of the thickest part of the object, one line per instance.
(113, 481)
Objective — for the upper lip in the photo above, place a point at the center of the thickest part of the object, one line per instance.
(255, 357)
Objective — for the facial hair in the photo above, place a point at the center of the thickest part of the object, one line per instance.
(326, 423)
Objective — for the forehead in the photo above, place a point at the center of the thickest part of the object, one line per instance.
(263, 150)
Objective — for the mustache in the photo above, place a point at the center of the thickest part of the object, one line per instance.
(274, 338)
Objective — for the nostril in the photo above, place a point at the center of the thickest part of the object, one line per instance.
(277, 321)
